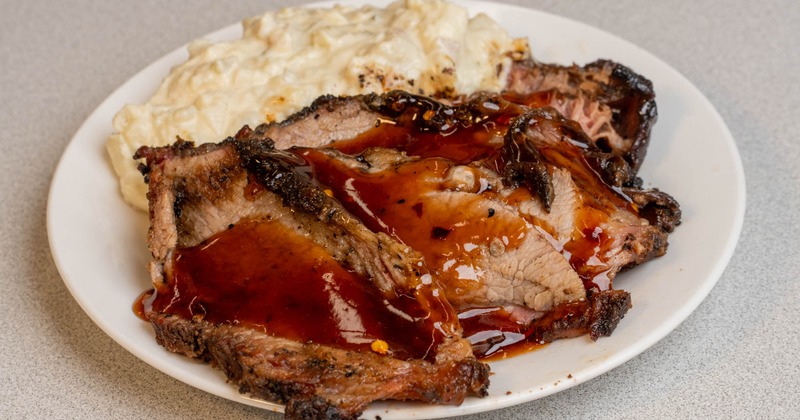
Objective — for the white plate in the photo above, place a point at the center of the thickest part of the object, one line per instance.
(98, 242)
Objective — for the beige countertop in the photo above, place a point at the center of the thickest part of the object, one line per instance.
(737, 355)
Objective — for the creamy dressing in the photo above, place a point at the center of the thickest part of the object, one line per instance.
(288, 58)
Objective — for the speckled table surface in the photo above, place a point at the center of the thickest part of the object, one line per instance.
(737, 355)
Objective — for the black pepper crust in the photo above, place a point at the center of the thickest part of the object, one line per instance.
(275, 170)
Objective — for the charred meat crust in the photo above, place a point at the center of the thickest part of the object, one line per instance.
(326, 103)
(525, 166)
(598, 316)
(309, 378)
(628, 97)
(274, 169)
(658, 207)
(608, 308)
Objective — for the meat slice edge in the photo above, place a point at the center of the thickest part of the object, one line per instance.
(316, 381)
(613, 104)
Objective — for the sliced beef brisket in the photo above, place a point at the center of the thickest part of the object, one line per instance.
(406, 216)
(455, 182)
(319, 359)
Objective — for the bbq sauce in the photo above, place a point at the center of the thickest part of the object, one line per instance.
(453, 239)
(294, 290)
(262, 275)
(405, 201)
(495, 333)
(460, 145)
(401, 202)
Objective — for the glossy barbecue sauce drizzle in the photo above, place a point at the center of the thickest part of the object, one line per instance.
(405, 202)
(401, 202)
(264, 276)
(294, 289)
